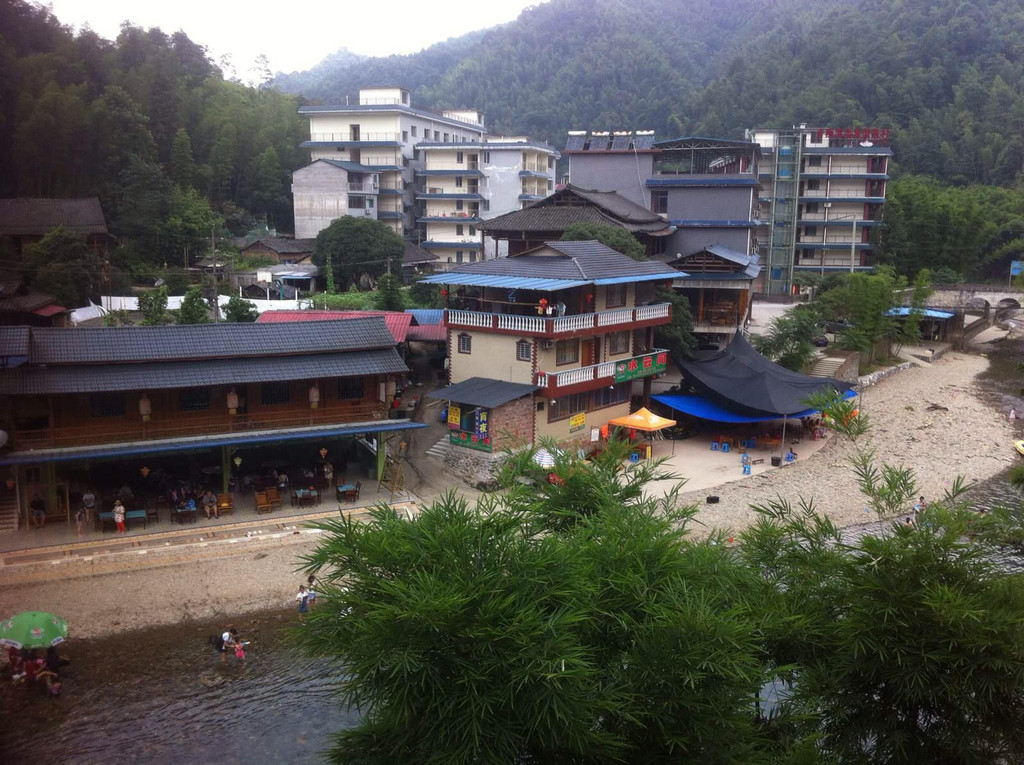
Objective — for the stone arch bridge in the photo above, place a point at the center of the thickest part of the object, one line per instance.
(974, 296)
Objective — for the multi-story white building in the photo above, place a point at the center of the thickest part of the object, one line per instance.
(373, 139)
(462, 184)
(822, 190)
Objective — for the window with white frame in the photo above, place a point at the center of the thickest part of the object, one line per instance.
(524, 350)
(465, 341)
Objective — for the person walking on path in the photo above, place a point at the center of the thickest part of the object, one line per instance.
(88, 504)
(119, 515)
(38, 507)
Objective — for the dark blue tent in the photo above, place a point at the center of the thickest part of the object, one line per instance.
(741, 381)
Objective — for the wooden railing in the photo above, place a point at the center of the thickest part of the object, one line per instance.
(122, 431)
(555, 326)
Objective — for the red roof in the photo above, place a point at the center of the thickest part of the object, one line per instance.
(429, 333)
(397, 322)
(49, 310)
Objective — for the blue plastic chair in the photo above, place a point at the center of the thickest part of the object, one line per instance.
(715, 446)
(726, 446)
(746, 468)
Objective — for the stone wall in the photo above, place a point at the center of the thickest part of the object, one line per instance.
(866, 381)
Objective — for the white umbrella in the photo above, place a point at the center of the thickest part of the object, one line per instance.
(544, 458)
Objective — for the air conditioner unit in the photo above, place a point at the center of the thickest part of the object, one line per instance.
(549, 344)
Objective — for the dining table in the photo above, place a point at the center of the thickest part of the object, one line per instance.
(306, 497)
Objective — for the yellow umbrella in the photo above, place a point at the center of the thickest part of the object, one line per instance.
(643, 419)
(646, 420)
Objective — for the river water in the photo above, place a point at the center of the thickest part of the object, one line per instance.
(162, 695)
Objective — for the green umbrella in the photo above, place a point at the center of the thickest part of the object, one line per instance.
(33, 629)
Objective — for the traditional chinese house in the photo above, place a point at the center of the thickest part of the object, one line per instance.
(77, 402)
(550, 343)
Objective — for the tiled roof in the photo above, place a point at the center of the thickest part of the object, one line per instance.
(562, 209)
(397, 322)
(583, 262)
(28, 217)
(113, 345)
(14, 341)
(483, 391)
(415, 254)
(285, 246)
(96, 378)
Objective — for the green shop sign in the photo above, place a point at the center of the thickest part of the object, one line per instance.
(641, 366)
(470, 440)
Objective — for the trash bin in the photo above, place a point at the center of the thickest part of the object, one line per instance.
(776, 461)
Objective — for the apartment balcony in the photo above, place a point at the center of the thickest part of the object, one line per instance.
(363, 188)
(556, 384)
(852, 195)
(358, 139)
(466, 168)
(440, 193)
(561, 327)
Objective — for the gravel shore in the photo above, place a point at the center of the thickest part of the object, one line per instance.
(971, 437)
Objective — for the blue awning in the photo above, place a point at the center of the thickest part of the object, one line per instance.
(928, 313)
(170, 445)
(706, 409)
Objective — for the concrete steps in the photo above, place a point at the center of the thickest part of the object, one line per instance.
(8, 511)
(440, 449)
(826, 366)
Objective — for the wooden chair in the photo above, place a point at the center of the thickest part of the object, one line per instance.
(353, 494)
(263, 503)
(225, 504)
(273, 496)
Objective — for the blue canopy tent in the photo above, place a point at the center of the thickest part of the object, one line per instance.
(706, 409)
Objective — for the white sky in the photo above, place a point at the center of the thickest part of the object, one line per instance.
(294, 35)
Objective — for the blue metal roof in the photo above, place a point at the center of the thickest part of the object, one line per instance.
(928, 313)
(504, 282)
(638, 278)
(170, 445)
(427, 315)
(703, 181)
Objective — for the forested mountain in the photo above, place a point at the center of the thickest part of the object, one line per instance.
(172, 148)
(147, 123)
(947, 75)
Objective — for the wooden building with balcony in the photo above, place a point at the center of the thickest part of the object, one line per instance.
(566, 327)
(718, 282)
(73, 399)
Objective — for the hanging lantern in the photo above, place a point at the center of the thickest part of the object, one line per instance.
(145, 407)
(232, 401)
(238, 462)
(145, 471)
(314, 396)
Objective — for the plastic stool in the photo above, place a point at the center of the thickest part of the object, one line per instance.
(634, 457)
(725, 446)
(745, 459)
(715, 446)
(746, 468)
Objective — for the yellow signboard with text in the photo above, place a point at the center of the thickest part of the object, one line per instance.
(454, 416)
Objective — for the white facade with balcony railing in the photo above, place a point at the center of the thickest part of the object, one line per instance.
(554, 326)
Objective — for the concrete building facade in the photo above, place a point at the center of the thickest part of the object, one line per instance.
(706, 188)
(822, 190)
(379, 134)
(463, 184)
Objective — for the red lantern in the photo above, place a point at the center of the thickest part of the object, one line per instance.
(444, 293)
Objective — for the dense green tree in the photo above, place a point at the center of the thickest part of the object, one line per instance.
(389, 294)
(183, 166)
(475, 634)
(190, 223)
(240, 310)
(907, 646)
(677, 336)
(358, 246)
(63, 264)
(615, 237)
(790, 338)
(153, 306)
(864, 300)
(426, 295)
(194, 309)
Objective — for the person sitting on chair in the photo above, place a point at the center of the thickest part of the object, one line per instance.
(210, 504)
